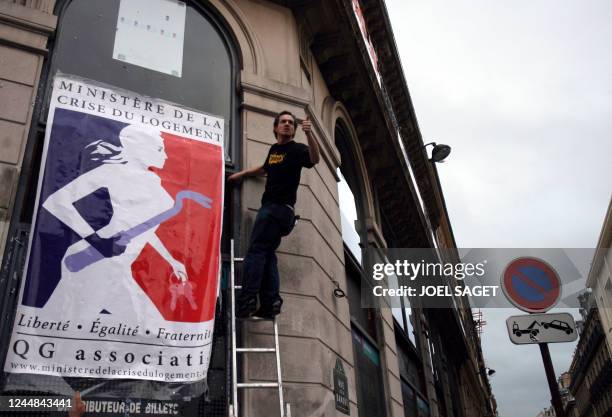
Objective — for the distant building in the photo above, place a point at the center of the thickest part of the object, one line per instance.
(591, 372)
(600, 276)
(591, 369)
(564, 382)
(547, 412)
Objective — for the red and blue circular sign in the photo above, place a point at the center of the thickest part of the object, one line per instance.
(531, 284)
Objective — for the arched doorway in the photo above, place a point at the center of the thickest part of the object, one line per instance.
(84, 45)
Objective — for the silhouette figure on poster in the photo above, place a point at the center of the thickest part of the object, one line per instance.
(96, 271)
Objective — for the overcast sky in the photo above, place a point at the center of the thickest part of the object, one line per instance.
(522, 92)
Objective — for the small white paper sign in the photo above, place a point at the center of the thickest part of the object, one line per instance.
(151, 34)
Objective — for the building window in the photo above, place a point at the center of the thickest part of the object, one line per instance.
(398, 315)
(370, 396)
(363, 318)
(409, 367)
(422, 408)
(411, 373)
(402, 312)
(351, 195)
(348, 217)
(409, 398)
(414, 404)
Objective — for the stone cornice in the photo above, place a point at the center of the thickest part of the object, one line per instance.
(27, 18)
(26, 28)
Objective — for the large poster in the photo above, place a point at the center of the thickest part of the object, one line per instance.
(123, 264)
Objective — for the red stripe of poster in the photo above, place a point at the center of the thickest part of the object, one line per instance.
(123, 263)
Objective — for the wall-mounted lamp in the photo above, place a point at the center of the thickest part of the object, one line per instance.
(439, 152)
(338, 292)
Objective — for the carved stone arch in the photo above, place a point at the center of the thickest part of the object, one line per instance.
(328, 115)
(249, 47)
(339, 114)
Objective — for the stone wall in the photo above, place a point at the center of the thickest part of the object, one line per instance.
(24, 29)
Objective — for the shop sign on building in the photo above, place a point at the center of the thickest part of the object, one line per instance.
(123, 263)
(341, 388)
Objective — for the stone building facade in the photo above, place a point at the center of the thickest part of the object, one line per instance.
(332, 61)
(590, 371)
(600, 276)
(591, 368)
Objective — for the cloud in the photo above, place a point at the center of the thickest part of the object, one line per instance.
(521, 92)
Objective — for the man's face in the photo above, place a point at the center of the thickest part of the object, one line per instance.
(285, 126)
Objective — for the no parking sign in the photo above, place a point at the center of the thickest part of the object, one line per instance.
(531, 284)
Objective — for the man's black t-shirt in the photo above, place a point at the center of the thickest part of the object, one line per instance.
(284, 165)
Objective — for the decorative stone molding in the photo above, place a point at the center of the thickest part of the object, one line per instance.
(252, 56)
(340, 113)
(25, 28)
(45, 6)
(375, 236)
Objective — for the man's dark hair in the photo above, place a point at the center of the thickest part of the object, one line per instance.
(277, 119)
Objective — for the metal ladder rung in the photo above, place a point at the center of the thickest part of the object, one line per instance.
(256, 318)
(255, 350)
(257, 385)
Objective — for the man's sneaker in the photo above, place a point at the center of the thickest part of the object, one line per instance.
(246, 309)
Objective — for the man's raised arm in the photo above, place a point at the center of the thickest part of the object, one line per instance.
(313, 146)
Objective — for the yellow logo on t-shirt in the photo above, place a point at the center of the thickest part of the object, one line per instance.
(276, 158)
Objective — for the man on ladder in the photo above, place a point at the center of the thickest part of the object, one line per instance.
(276, 217)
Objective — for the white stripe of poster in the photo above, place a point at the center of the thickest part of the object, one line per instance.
(123, 261)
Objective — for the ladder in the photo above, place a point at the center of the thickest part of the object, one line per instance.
(233, 409)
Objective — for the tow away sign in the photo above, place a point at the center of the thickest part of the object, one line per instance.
(541, 328)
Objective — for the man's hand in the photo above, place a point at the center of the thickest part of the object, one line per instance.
(313, 146)
(78, 406)
(235, 178)
(306, 126)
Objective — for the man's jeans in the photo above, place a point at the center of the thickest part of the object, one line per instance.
(260, 265)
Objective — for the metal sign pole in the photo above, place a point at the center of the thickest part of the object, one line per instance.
(552, 381)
